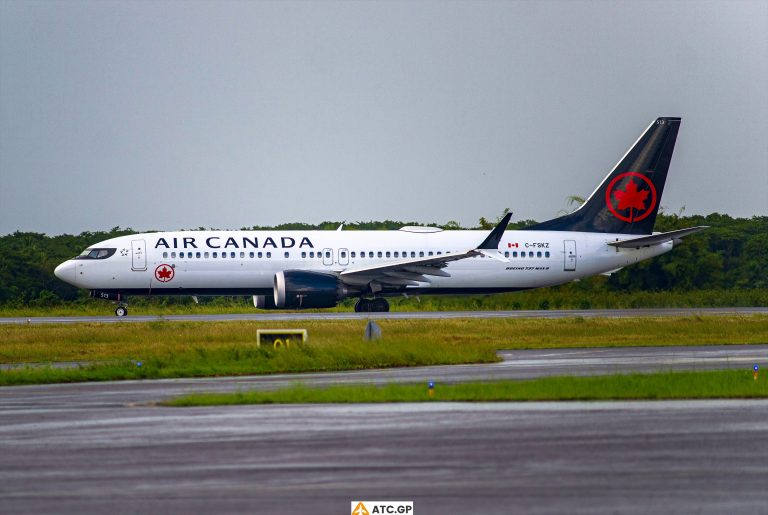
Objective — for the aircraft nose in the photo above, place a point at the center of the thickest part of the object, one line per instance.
(65, 272)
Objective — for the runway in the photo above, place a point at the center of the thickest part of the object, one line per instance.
(104, 447)
(640, 457)
(402, 315)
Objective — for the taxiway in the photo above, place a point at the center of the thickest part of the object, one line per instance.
(104, 447)
(263, 316)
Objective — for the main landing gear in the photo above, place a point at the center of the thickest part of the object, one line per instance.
(377, 305)
(121, 310)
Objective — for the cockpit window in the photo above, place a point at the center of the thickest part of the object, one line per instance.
(96, 253)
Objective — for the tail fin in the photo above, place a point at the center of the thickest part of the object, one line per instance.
(627, 200)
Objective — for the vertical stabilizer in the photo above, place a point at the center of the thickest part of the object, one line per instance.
(627, 200)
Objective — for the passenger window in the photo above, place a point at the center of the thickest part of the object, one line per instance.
(421, 253)
(431, 254)
(388, 254)
(303, 255)
(370, 254)
(397, 254)
(242, 255)
(413, 254)
(181, 255)
(379, 254)
(269, 254)
(173, 255)
(250, 255)
(165, 254)
(206, 255)
(287, 255)
(312, 254)
(343, 254)
(215, 254)
(546, 254)
(232, 255)
(259, 255)
(197, 255)
(439, 253)
(514, 254)
(353, 254)
(538, 254)
(522, 254)
(506, 253)
(328, 254)
(530, 254)
(223, 255)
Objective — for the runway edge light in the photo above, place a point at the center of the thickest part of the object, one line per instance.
(755, 369)
(431, 388)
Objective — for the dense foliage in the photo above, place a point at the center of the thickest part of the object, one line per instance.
(731, 255)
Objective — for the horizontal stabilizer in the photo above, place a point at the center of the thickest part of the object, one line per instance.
(656, 239)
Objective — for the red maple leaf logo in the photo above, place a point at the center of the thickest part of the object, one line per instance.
(164, 273)
(631, 198)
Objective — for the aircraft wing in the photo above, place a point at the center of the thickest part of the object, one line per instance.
(411, 272)
(656, 239)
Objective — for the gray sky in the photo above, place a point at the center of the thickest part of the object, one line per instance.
(165, 115)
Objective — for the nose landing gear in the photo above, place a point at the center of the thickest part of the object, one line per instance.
(376, 305)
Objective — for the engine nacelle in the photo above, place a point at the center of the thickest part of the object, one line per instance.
(103, 295)
(264, 302)
(296, 289)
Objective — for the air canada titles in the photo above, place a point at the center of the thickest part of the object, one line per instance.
(242, 242)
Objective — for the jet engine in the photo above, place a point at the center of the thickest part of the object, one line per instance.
(296, 289)
(264, 302)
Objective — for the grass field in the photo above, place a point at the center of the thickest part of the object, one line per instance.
(192, 349)
(587, 294)
(664, 385)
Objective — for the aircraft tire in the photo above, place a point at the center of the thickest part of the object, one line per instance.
(121, 311)
(362, 306)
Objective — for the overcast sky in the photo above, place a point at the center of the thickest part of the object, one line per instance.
(166, 115)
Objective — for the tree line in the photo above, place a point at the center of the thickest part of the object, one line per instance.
(731, 254)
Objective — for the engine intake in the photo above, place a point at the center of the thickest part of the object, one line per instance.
(296, 289)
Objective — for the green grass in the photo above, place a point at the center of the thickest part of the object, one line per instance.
(198, 349)
(588, 294)
(664, 385)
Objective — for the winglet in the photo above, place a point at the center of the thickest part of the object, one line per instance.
(493, 239)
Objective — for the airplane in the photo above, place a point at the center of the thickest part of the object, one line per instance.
(612, 229)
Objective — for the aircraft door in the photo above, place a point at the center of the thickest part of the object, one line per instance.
(344, 256)
(138, 255)
(328, 257)
(570, 255)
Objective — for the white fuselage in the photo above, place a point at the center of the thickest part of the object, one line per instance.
(245, 262)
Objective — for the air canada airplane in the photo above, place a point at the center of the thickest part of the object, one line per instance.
(318, 269)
